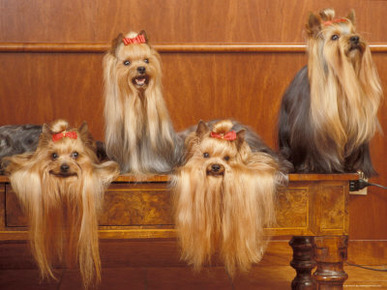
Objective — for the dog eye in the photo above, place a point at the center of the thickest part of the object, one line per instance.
(146, 60)
(227, 158)
(206, 155)
(335, 37)
(75, 155)
(126, 62)
(54, 156)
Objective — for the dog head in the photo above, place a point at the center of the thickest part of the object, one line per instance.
(216, 151)
(137, 64)
(337, 34)
(65, 153)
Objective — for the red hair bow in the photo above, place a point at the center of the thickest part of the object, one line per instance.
(327, 23)
(138, 39)
(72, 135)
(229, 136)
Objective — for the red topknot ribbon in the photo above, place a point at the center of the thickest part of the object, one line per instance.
(138, 39)
(229, 136)
(327, 23)
(72, 135)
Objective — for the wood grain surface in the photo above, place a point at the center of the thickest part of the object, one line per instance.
(144, 210)
(176, 20)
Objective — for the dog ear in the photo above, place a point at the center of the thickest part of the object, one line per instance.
(115, 43)
(84, 128)
(202, 129)
(46, 134)
(351, 16)
(240, 138)
(313, 27)
(86, 137)
(142, 32)
(46, 130)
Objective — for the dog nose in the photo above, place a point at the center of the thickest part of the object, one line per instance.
(354, 39)
(215, 167)
(64, 167)
(141, 69)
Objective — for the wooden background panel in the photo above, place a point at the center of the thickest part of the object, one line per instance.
(38, 88)
(176, 20)
(367, 212)
(248, 87)
(244, 86)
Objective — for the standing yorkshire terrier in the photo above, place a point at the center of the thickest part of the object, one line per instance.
(329, 112)
(61, 187)
(139, 133)
(223, 197)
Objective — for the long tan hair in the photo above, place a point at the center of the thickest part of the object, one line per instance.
(223, 214)
(60, 187)
(138, 128)
(344, 84)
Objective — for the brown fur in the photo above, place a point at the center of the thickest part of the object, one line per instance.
(62, 204)
(223, 197)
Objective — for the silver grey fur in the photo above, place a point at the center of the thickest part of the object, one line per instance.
(17, 139)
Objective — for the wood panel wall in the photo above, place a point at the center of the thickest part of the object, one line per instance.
(51, 65)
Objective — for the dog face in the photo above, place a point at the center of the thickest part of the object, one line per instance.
(337, 35)
(212, 153)
(66, 154)
(137, 64)
(65, 159)
(216, 158)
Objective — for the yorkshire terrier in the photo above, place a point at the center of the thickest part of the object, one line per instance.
(61, 187)
(328, 114)
(139, 133)
(224, 196)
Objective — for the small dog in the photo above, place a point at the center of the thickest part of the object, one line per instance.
(61, 187)
(139, 133)
(224, 196)
(329, 112)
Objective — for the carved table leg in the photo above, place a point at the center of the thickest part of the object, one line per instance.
(303, 262)
(330, 252)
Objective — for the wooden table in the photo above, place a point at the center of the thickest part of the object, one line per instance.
(313, 209)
